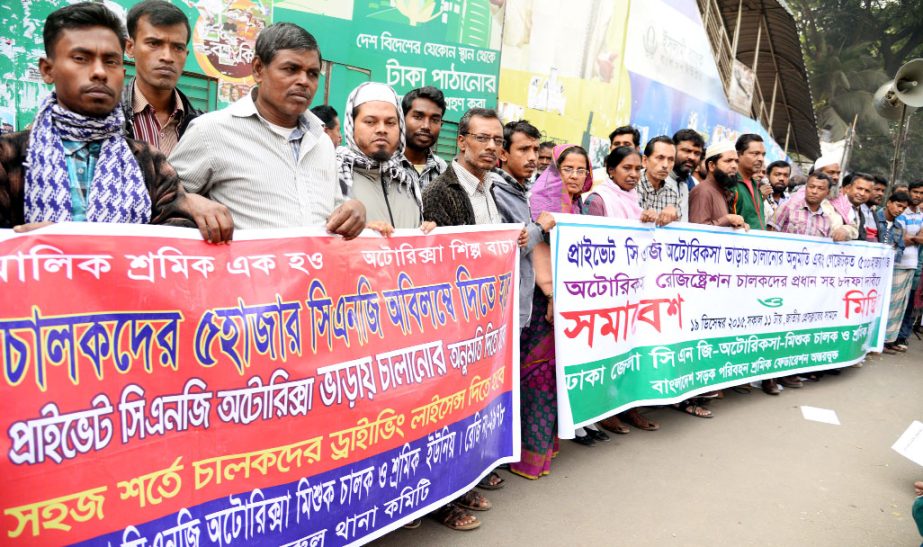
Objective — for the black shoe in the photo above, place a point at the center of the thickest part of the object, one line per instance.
(597, 435)
(586, 440)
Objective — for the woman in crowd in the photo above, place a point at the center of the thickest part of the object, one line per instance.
(557, 190)
(617, 198)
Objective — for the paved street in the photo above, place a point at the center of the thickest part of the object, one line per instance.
(756, 474)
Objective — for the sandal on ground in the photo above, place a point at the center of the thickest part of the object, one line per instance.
(492, 481)
(473, 501)
(712, 395)
(635, 418)
(456, 518)
(414, 524)
(693, 409)
(615, 425)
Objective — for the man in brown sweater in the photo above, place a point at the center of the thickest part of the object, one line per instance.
(711, 202)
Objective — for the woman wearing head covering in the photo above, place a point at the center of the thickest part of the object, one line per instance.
(557, 190)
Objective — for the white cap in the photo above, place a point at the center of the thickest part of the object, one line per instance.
(720, 148)
(825, 161)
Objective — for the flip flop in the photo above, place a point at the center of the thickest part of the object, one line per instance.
(492, 481)
(451, 515)
(474, 501)
(615, 425)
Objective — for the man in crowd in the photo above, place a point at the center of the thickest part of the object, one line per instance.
(625, 135)
(912, 219)
(709, 201)
(265, 157)
(830, 166)
(370, 165)
(891, 232)
(545, 150)
(779, 173)
(331, 120)
(423, 111)
(156, 111)
(803, 215)
(709, 204)
(658, 190)
(689, 149)
(464, 195)
(75, 164)
(518, 163)
(751, 153)
(857, 189)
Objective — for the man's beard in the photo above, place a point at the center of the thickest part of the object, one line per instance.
(724, 180)
(381, 156)
(681, 171)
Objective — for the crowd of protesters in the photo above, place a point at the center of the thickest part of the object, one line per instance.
(104, 150)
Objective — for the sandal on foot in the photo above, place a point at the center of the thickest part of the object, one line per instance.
(615, 425)
(456, 518)
(492, 481)
(635, 418)
(473, 501)
(743, 389)
(414, 524)
(693, 409)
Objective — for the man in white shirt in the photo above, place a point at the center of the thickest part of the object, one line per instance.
(265, 157)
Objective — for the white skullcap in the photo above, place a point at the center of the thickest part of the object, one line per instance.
(374, 91)
(825, 161)
(720, 148)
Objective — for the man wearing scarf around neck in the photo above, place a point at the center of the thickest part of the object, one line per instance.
(371, 165)
(75, 165)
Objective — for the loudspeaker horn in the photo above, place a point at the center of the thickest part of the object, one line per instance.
(908, 83)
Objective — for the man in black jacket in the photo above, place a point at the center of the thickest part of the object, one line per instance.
(464, 194)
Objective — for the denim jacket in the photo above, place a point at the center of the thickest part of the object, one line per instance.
(893, 237)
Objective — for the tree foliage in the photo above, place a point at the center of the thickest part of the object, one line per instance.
(851, 48)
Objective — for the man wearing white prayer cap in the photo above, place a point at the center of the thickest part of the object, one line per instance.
(371, 166)
(830, 166)
(712, 201)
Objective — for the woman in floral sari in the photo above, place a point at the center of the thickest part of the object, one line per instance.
(557, 190)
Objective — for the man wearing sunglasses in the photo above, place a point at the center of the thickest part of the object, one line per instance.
(464, 193)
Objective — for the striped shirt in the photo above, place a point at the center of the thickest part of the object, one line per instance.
(147, 127)
(235, 158)
(669, 193)
(479, 194)
(796, 217)
(428, 172)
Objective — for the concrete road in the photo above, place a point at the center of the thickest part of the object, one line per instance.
(756, 474)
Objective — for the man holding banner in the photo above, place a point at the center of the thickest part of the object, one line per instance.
(265, 157)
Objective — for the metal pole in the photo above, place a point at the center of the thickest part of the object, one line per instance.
(788, 132)
(772, 106)
(740, 10)
(896, 161)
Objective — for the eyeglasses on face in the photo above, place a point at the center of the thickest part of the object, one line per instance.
(570, 171)
(483, 139)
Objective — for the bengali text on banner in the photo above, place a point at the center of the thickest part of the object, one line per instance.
(651, 316)
(290, 388)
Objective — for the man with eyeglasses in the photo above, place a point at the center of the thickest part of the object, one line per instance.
(464, 194)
